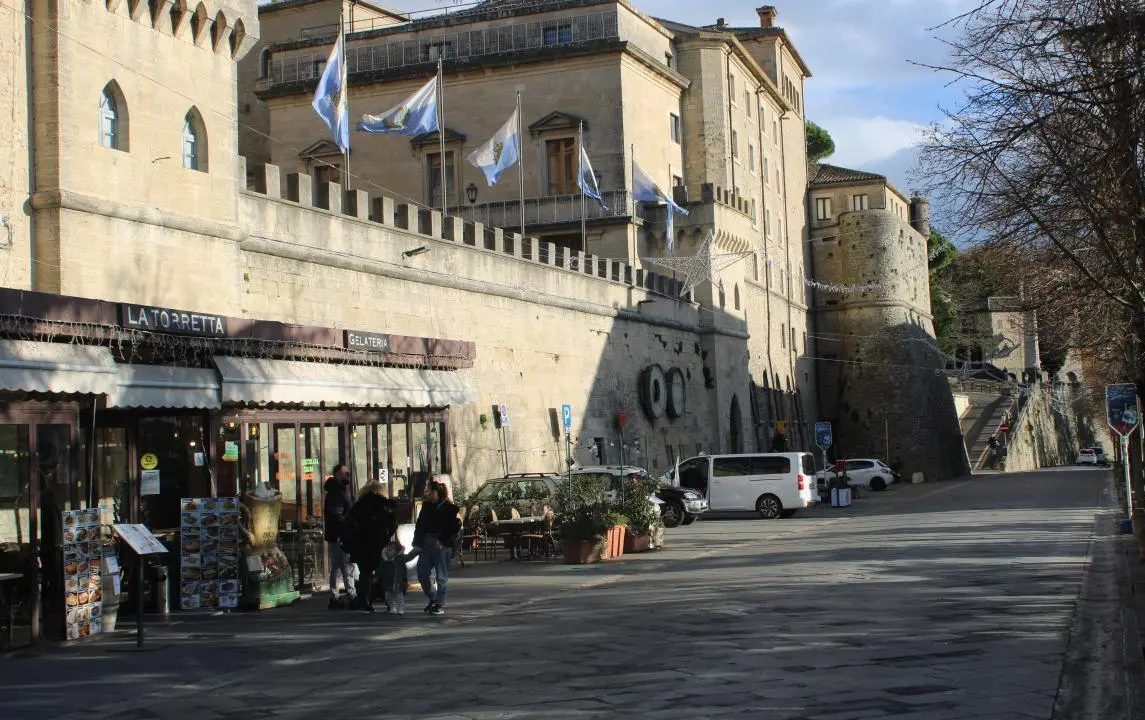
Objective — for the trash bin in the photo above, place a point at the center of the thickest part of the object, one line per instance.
(160, 591)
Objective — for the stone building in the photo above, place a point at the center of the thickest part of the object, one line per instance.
(714, 113)
(997, 335)
(880, 368)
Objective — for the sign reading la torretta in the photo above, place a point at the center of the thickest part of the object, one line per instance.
(177, 322)
(367, 342)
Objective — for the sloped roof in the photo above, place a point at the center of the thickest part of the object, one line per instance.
(830, 174)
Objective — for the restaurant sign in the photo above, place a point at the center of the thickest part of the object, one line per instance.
(177, 322)
(367, 342)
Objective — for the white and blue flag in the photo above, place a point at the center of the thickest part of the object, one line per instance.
(417, 115)
(501, 152)
(330, 98)
(644, 189)
(587, 179)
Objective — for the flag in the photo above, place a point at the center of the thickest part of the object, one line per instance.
(330, 101)
(416, 115)
(644, 189)
(499, 154)
(587, 179)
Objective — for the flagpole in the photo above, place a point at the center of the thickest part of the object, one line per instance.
(581, 181)
(521, 162)
(345, 91)
(441, 136)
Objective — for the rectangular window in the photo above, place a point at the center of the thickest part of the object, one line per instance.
(327, 173)
(677, 181)
(860, 202)
(766, 170)
(562, 165)
(775, 131)
(767, 221)
(735, 144)
(751, 157)
(557, 34)
(433, 177)
(783, 336)
(747, 101)
(677, 131)
(435, 50)
(793, 345)
(732, 88)
(822, 208)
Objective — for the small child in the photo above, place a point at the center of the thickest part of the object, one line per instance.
(395, 578)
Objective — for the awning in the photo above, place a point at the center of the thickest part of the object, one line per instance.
(153, 386)
(44, 367)
(258, 381)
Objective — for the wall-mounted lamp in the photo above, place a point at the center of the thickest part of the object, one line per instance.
(471, 193)
(415, 251)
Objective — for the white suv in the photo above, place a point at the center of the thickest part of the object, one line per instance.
(864, 472)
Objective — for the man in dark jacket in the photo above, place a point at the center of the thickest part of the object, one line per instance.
(335, 508)
(436, 529)
(371, 526)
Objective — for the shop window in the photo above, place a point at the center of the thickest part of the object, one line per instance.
(360, 461)
(174, 441)
(285, 462)
(14, 498)
(400, 469)
(420, 446)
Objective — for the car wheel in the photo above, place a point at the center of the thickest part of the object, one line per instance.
(769, 507)
(878, 484)
(672, 514)
(689, 519)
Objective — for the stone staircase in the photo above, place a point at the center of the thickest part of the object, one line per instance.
(981, 422)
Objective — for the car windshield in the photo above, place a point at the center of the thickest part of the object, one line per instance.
(491, 490)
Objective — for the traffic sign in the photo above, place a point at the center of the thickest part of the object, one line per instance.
(823, 435)
(503, 409)
(566, 416)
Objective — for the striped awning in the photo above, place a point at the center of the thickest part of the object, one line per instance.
(154, 386)
(43, 367)
(287, 382)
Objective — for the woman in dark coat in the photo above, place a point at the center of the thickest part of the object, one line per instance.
(371, 526)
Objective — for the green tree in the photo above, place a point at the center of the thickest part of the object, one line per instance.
(941, 253)
(820, 145)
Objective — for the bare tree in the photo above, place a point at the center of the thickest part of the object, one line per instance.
(1044, 161)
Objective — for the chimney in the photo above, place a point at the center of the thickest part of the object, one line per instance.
(721, 23)
(767, 15)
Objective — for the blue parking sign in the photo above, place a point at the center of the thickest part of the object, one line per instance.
(566, 416)
(823, 435)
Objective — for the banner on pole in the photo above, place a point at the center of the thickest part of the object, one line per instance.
(823, 435)
(1122, 408)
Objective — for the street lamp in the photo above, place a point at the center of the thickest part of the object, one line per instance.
(471, 193)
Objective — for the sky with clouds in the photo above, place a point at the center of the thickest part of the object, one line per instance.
(864, 89)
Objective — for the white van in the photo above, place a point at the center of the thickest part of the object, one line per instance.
(772, 484)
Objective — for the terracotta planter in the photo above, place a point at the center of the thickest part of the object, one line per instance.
(614, 542)
(581, 552)
(637, 542)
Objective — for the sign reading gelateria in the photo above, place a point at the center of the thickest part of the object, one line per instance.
(368, 342)
(178, 322)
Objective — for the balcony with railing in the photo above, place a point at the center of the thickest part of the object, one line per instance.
(549, 210)
(463, 46)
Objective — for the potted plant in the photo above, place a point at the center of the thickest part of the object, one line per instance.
(645, 527)
(617, 525)
(584, 520)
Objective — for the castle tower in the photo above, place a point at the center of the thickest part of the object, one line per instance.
(880, 380)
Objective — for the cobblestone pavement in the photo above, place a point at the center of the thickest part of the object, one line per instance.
(940, 601)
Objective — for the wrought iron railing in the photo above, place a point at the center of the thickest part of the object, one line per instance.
(546, 210)
(427, 48)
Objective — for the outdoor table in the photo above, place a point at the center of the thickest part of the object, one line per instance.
(8, 581)
(514, 528)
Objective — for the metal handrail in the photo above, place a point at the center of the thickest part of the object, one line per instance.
(427, 48)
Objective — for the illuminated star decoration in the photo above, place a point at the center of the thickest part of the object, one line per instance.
(700, 268)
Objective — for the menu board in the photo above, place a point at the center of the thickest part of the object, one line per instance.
(209, 553)
(83, 584)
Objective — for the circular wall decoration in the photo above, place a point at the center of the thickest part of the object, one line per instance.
(653, 391)
(677, 394)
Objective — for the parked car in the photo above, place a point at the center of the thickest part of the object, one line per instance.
(772, 484)
(1088, 456)
(530, 493)
(1100, 453)
(677, 506)
(863, 472)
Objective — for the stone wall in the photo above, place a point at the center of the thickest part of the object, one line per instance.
(16, 265)
(1051, 428)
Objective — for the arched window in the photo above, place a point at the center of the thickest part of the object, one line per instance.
(723, 296)
(736, 297)
(194, 141)
(238, 33)
(112, 118)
